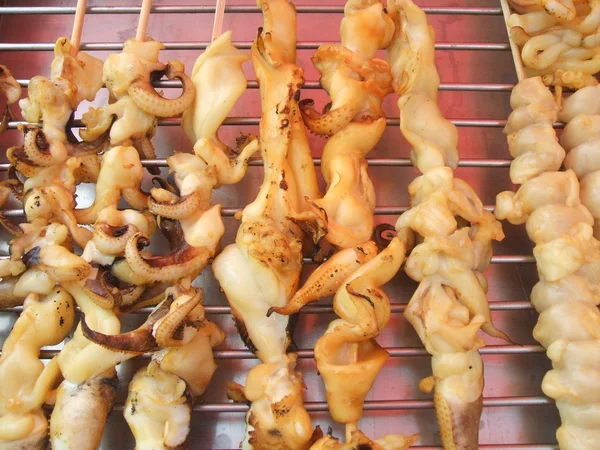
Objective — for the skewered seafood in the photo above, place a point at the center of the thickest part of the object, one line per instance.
(220, 82)
(454, 237)
(561, 42)
(73, 78)
(581, 140)
(127, 76)
(47, 318)
(567, 257)
(357, 83)
(347, 355)
(12, 92)
(262, 268)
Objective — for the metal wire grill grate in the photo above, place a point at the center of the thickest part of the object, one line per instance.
(487, 166)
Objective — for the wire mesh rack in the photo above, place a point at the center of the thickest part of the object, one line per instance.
(477, 75)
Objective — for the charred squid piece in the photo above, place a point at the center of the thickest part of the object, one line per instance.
(166, 326)
(26, 382)
(356, 86)
(112, 230)
(158, 409)
(183, 262)
(59, 263)
(88, 405)
(359, 441)
(121, 174)
(150, 295)
(55, 203)
(144, 95)
(74, 78)
(220, 81)
(328, 277)
(12, 92)
(101, 290)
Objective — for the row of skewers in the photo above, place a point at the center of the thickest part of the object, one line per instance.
(108, 271)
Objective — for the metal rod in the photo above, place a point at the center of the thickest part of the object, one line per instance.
(460, 87)
(117, 46)
(46, 10)
(396, 352)
(317, 309)
(247, 121)
(373, 162)
(231, 211)
(376, 405)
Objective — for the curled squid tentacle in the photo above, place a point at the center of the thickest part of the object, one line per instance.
(165, 326)
(144, 95)
(147, 151)
(39, 150)
(329, 121)
(175, 207)
(101, 291)
(182, 262)
(328, 277)
(137, 341)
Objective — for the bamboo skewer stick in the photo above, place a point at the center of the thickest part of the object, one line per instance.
(78, 26)
(218, 22)
(143, 20)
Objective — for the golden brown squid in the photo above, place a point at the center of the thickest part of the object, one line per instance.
(455, 234)
(560, 43)
(262, 269)
(553, 207)
(220, 82)
(158, 408)
(347, 355)
(200, 223)
(12, 92)
(357, 83)
(136, 105)
(52, 101)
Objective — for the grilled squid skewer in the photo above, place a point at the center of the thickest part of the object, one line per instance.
(220, 81)
(127, 76)
(581, 140)
(357, 83)
(52, 101)
(455, 235)
(567, 254)
(262, 269)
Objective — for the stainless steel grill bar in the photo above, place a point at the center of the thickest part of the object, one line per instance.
(105, 46)
(48, 10)
(396, 352)
(247, 121)
(466, 87)
(377, 405)
(230, 212)
(498, 259)
(373, 162)
(319, 309)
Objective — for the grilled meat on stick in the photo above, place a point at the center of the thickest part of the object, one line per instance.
(52, 101)
(12, 92)
(581, 140)
(262, 269)
(134, 102)
(550, 203)
(357, 83)
(355, 273)
(47, 318)
(450, 304)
